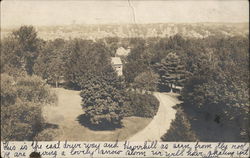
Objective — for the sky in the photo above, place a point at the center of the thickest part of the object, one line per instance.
(65, 12)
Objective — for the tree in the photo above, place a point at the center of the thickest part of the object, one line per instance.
(180, 129)
(102, 100)
(133, 69)
(10, 58)
(28, 45)
(22, 99)
(221, 97)
(85, 57)
(146, 81)
(111, 44)
(50, 64)
(171, 71)
(19, 50)
(141, 105)
(137, 61)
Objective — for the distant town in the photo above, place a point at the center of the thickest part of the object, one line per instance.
(95, 31)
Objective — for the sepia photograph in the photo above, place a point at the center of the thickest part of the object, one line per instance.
(126, 70)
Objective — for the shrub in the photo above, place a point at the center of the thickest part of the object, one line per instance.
(180, 129)
(141, 105)
(34, 89)
(8, 91)
(46, 135)
(20, 121)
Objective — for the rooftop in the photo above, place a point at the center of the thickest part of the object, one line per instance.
(116, 61)
(122, 51)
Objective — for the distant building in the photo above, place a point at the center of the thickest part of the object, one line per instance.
(122, 52)
(117, 65)
(177, 89)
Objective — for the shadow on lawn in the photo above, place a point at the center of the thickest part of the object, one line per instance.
(105, 127)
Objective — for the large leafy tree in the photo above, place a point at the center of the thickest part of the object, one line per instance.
(29, 46)
(85, 57)
(138, 60)
(19, 50)
(132, 69)
(146, 81)
(50, 64)
(111, 44)
(10, 60)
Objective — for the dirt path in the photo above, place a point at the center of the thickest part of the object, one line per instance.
(161, 121)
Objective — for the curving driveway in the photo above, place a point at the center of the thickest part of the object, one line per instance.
(161, 121)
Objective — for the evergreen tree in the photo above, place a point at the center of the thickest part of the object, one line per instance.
(102, 99)
(180, 129)
(171, 71)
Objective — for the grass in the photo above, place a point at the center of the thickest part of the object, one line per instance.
(131, 125)
(65, 117)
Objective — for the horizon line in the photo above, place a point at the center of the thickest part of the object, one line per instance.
(121, 23)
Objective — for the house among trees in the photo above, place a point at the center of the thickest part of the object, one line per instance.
(122, 52)
(117, 65)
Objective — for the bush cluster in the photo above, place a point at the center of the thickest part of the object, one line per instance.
(141, 105)
(21, 106)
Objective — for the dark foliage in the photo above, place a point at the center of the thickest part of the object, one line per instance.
(141, 105)
(171, 71)
(180, 129)
(146, 81)
(220, 98)
(102, 99)
(20, 50)
(50, 64)
(218, 88)
(85, 57)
